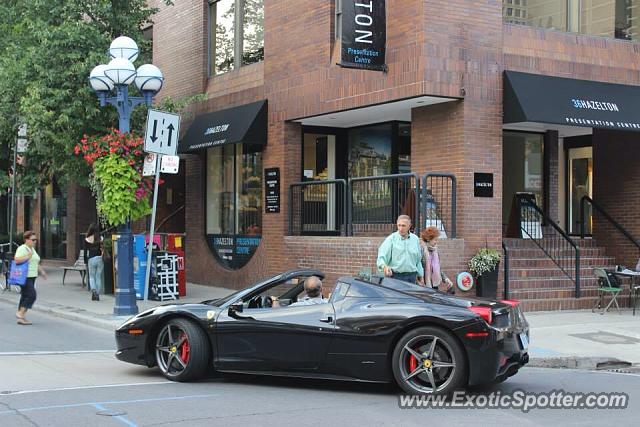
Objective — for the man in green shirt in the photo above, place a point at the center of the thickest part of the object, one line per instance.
(400, 255)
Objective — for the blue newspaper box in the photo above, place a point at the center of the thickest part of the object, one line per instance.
(139, 264)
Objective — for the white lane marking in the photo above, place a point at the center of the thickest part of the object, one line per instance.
(112, 402)
(51, 352)
(47, 390)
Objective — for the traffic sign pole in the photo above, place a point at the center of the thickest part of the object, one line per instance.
(161, 138)
(147, 274)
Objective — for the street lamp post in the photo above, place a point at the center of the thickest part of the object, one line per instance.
(116, 76)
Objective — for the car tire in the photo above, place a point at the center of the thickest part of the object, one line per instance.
(434, 370)
(182, 350)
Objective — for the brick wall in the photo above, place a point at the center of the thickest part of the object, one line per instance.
(343, 256)
(535, 50)
(615, 188)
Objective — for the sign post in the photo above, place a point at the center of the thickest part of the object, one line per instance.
(161, 137)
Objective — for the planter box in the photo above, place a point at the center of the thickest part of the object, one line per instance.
(487, 285)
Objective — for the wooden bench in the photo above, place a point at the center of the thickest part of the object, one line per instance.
(78, 266)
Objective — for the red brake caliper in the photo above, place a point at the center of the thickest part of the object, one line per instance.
(184, 350)
(413, 363)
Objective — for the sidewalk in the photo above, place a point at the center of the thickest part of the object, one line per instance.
(563, 339)
(73, 302)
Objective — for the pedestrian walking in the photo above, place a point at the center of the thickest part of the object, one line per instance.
(433, 275)
(93, 260)
(27, 253)
(400, 256)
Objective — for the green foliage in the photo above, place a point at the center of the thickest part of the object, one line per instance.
(116, 183)
(483, 261)
(47, 51)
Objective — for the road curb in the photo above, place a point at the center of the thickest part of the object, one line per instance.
(577, 362)
(108, 322)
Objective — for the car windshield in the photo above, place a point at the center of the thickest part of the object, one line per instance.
(221, 301)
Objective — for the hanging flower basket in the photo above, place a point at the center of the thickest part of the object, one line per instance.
(116, 159)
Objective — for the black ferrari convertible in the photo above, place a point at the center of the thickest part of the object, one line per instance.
(370, 329)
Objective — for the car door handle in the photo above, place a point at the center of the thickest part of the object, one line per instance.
(327, 319)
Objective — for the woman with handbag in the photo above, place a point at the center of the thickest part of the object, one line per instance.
(27, 253)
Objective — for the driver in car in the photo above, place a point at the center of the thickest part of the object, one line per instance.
(313, 289)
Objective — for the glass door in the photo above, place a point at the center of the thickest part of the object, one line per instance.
(53, 233)
(320, 202)
(580, 170)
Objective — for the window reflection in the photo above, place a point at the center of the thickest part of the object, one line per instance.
(253, 32)
(607, 18)
(234, 190)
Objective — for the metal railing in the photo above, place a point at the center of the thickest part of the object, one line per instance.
(606, 215)
(554, 242)
(505, 249)
(378, 200)
(318, 207)
(439, 202)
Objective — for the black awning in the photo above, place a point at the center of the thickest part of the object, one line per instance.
(571, 102)
(246, 123)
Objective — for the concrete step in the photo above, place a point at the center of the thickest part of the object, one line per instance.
(533, 294)
(557, 304)
(529, 243)
(537, 252)
(550, 283)
(544, 272)
(598, 261)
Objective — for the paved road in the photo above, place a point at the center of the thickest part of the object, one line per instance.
(57, 373)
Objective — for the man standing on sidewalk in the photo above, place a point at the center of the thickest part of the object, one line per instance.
(400, 256)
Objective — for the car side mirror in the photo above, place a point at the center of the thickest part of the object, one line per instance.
(236, 308)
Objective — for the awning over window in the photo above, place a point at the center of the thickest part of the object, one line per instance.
(246, 123)
(570, 102)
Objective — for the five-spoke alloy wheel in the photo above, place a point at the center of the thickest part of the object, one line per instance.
(429, 360)
(182, 350)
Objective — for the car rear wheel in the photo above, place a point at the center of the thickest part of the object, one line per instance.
(429, 360)
(182, 350)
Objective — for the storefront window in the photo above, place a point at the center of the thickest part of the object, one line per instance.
(234, 202)
(236, 34)
(608, 18)
(370, 151)
(521, 168)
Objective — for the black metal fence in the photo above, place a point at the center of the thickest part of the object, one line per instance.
(378, 200)
(371, 205)
(439, 203)
(318, 208)
(553, 241)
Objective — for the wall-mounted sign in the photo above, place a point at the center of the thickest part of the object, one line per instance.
(364, 34)
(482, 184)
(272, 190)
(233, 251)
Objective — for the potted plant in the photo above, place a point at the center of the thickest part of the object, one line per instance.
(484, 266)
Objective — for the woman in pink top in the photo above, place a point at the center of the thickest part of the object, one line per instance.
(433, 275)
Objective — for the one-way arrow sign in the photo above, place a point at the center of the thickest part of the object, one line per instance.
(162, 132)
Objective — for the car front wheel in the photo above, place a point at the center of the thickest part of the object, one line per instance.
(429, 360)
(182, 350)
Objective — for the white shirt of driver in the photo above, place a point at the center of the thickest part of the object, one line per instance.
(309, 301)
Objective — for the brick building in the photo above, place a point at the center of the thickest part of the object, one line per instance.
(454, 95)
